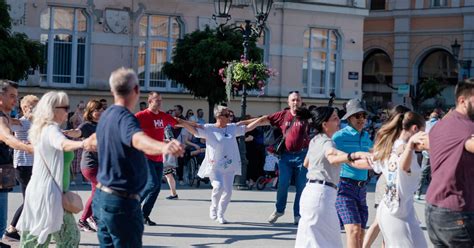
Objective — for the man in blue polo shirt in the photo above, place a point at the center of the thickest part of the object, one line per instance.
(351, 201)
(122, 166)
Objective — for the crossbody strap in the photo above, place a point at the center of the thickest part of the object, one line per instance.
(49, 171)
(291, 124)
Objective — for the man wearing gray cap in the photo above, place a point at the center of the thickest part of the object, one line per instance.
(351, 201)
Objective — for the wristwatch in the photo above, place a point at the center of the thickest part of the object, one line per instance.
(349, 157)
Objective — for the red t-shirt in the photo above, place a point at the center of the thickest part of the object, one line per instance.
(154, 126)
(452, 167)
(297, 137)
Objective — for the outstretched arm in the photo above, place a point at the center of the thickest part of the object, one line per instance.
(255, 123)
(359, 159)
(261, 121)
(190, 126)
(11, 141)
(149, 146)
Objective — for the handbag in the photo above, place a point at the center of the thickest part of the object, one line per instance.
(71, 201)
(7, 176)
(280, 146)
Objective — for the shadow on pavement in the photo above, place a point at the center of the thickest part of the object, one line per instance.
(283, 231)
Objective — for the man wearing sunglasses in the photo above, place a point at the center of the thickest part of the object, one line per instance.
(351, 201)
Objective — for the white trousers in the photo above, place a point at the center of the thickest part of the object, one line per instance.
(222, 182)
(400, 232)
(319, 224)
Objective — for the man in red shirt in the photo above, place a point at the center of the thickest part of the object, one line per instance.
(153, 122)
(296, 132)
(450, 197)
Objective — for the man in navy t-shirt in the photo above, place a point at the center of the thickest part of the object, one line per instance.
(122, 167)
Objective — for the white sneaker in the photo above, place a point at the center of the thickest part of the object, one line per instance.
(274, 217)
(92, 222)
(212, 214)
(221, 220)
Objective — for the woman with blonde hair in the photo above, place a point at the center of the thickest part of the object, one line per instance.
(89, 160)
(394, 157)
(43, 215)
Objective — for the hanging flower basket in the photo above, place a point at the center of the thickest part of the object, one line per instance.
(244, 72)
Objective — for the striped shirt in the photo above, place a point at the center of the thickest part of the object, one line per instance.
(22, 158)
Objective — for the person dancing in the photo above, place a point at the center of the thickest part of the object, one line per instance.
(222, 160)
(319, 224)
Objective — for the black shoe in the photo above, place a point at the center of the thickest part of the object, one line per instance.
(172, 197)
(148, 222)
(3, 245)
(11, 236)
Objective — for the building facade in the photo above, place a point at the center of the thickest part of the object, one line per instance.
(316, 46)
(409, 42)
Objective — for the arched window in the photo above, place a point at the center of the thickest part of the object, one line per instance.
(158, 35)
(377, 73)
(438, 64)
(321, 61)
(64, 34)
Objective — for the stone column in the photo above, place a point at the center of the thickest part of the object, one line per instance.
(401, 65)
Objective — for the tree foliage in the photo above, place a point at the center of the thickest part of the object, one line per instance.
(17, 52)
(427, 89)
(198, 57)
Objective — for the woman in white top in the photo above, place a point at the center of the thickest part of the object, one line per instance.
(319, 223)
(394, 157)
(43, 214)
(222, 160)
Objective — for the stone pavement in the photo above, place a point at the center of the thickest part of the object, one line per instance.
(185, 222)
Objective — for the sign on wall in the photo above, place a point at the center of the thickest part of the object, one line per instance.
(353, 75)
(403, 89)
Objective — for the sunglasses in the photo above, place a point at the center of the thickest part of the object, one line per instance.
(293, 91)
(225, 115)
(66, 108)
(360, 116)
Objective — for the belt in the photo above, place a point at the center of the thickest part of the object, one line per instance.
(354, 182)
(120, 193)
(332, 185)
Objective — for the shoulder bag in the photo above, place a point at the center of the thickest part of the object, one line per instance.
(71, 201)
(280, 144)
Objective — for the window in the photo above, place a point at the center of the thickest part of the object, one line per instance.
(64, 34)
(377, 5)
(158, 36)
(439, 64)
(439, 3)
(320, 61)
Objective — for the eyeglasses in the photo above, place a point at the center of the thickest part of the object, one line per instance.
(66, 108)
(360, 115)
(225, 115)
(190, 113)
(293, 91)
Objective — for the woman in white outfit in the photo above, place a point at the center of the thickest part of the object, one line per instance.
(43, 215)
(319, 223)
(394, 157)
(222, 159)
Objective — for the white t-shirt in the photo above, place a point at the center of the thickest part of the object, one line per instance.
(270, 162)
(401, 185)
(222, 151)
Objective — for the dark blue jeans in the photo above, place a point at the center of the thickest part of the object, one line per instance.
(448, 228)
(153, 186)
(119, 220)
(291, 164)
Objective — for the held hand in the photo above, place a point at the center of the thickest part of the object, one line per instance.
(418, 140)
(68, 132)
(30, 148)
(173, 148)
(90, 144)
(360, 155)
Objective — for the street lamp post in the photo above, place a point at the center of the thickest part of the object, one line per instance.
(221, 16)
(464, 64)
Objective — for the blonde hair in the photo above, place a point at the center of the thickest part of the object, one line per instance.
(389, 132)
(219, 109)
(28, 100)
(43, 114)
